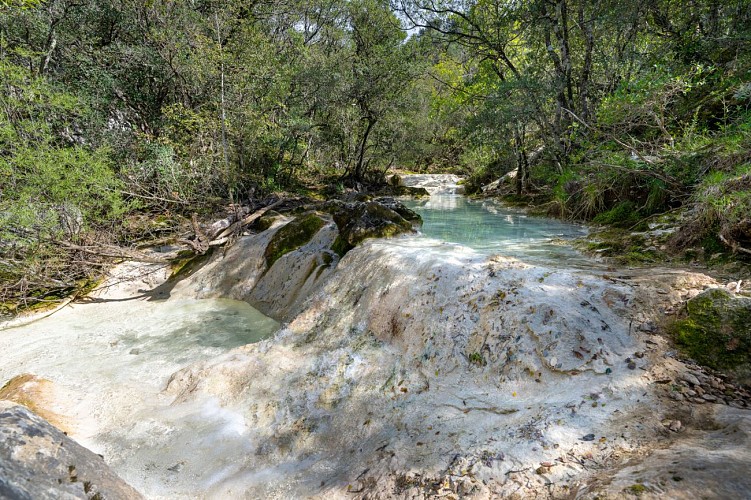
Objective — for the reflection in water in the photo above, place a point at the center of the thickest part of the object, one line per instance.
(490, 228)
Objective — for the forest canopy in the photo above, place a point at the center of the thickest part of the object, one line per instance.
(118, 112)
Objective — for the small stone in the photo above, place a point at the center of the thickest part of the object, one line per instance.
(699, 390)
(690, 393)
(648, 327)
(691, 379)
(631, 365)
(709, 397)
(639, 355)
(135, 351)
(699, 401)
(177, 467)
(675, 426)
(677, 396)
(588, 437)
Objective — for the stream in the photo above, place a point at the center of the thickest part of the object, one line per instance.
(471, 346)
(488, 227)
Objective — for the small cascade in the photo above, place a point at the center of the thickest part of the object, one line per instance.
(453, 363)
(435, 184)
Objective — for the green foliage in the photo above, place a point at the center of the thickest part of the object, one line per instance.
(623, 214)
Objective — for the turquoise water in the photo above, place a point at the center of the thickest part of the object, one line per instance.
(490, 228)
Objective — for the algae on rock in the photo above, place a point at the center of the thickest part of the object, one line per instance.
(292, 236)
(717, 332)
(360, 221)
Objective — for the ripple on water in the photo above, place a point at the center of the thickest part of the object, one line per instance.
(490, 228)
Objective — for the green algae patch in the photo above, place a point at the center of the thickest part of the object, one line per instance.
(186, 263)
(716, 332)
(292, 236)
(266, 221)
(361, 221)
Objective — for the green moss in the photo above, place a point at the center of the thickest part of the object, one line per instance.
(623, 214)
(637, 489)
(292, 236)
(367, 220)
(414, 192)
(340, 246)
(476, 359)
(185, 263)
(266, 221)
(716, 330)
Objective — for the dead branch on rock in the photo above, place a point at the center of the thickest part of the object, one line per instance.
(227, 230)
(734, 246)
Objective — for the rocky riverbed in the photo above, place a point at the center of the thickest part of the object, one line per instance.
(405, 368)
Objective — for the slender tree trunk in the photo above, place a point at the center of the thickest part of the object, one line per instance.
(359, 170)
(522, 166)
(589, 43)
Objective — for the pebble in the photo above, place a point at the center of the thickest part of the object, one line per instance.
(588, 437)
(690, 393)
(699, 390)
(691, 379)
(675, 426)
(648, 327)
(709, 397)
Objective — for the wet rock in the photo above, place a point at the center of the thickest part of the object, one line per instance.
(39, 461)
(359, 221)
(588, 437)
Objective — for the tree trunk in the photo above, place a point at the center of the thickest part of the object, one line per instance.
(522, 166)
(587, 67)
(359, 170)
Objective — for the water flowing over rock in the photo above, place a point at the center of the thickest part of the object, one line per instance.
(410, 368)
(434, 184)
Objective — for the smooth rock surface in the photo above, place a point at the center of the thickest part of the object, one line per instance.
(37, 461)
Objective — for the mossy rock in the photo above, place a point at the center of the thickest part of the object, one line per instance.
(716, 332)
(413, 192)
(186, 263)
(292, 236)
(360, 221)
(265, 221)
(406, 213)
